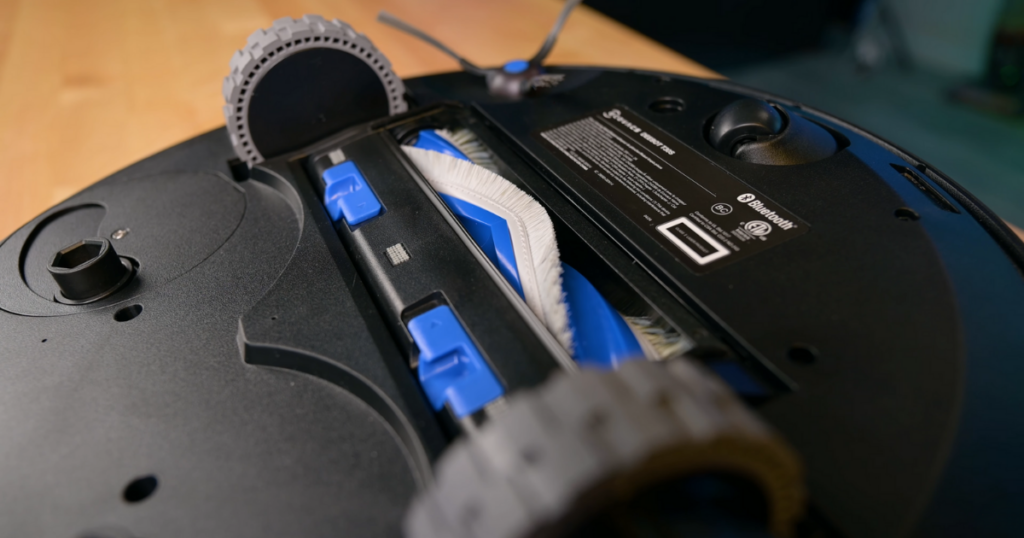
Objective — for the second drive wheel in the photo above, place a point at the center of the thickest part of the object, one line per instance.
(652, 449)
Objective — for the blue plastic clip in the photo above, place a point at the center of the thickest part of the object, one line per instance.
(451, 369)
(346, 194)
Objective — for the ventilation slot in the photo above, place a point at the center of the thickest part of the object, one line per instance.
(239, 169)
(931, 192)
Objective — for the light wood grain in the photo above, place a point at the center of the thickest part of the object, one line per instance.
(88, 87)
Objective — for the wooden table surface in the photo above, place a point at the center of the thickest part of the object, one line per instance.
(88, 87)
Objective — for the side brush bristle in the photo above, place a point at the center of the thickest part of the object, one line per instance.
(659, 339)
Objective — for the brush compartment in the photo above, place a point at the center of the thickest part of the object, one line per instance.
(630, 289)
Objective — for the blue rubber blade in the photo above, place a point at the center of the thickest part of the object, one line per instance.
(736, 377)
(490, 232)
(346, 194)
(428, 139)
(451, 369)
(602, 338)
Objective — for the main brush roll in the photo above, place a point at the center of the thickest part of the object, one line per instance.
(600, 336)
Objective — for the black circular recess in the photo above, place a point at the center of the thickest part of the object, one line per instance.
(756, 131)
(744, 121)
(88, 270)
(667, 105)
(802, 354)
(140, 489)
(128, 313)
(312, 94)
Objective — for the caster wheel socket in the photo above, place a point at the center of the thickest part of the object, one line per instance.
(89, 270)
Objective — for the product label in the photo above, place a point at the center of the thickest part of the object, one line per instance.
(704, 215)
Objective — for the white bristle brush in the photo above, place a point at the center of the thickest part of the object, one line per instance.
(470, 146)
(530, 227)
(658, 339)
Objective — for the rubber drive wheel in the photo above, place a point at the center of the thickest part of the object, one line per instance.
(653, 449)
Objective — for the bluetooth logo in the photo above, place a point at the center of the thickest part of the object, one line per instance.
(746, 197)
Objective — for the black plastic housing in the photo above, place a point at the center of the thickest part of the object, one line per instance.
(265, 379)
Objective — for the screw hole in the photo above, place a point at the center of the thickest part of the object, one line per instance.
(803, 354)
(128, 313)
(44, 340)
(905, 213)
(273, 318)
(667, 105)
(140, 489)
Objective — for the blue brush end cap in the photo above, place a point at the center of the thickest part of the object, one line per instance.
(429, 139)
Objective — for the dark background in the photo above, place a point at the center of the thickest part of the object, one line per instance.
(941, 78)
(730, 33)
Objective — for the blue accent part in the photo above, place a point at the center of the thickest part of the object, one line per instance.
(736, 377)
(451, 369)
(602, 338)
(429, 139)
(488, 230)
(514, 67)
(491, 233)
(346, 194)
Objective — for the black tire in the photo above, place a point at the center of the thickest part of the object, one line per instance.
(580, 444)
